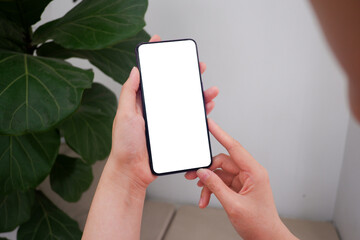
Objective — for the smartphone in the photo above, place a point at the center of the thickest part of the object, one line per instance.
(176, 127)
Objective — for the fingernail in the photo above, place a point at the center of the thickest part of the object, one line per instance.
(202, 174)
(201, 202)
(132, 73)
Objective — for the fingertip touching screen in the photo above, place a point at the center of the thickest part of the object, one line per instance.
(173, 103)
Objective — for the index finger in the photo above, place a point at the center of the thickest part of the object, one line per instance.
(240, 156)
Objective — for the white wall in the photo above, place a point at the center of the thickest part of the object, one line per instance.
(347, 208)
(282, 94)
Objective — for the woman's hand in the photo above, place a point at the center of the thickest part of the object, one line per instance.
(242, 186)
(129, 154)
(117, 206)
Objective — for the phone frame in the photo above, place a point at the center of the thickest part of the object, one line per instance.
(144, 107)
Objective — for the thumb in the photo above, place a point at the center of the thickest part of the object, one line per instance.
(217, 186)
(127, 100)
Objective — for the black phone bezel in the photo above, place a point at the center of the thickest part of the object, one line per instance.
(144, 107)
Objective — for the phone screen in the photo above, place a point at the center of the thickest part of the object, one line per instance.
(173, 104)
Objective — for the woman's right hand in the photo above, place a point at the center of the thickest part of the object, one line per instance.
(242, 186)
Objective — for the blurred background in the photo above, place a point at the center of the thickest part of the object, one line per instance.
(282, 96)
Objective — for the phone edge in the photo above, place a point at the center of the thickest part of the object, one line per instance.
(144, 108)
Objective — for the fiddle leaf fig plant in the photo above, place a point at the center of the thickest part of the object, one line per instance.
(44, 98)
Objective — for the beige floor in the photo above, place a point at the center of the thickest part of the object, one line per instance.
(191, 222)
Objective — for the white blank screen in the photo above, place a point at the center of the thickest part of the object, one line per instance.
(174, 106)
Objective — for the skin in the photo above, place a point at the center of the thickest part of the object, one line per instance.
(239, 182)
(117, 206)
(243, 188)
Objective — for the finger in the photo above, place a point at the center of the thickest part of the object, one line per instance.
(127, 100)
(217, 186)
(205, 197)
(223, 137)
(209, 107)
(202, 67)
(218, 161)
(226, 177)
(236, 184)
(240, 156)
(155, 38)
(232, 181)
(210, 94)
(224, 161)
(191, 175)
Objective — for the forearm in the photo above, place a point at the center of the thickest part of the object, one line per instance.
(117, 207)
(274, 230)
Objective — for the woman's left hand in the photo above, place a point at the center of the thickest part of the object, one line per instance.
(129, 154)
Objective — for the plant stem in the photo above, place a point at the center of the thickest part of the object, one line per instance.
(28, 31)
(28, 41)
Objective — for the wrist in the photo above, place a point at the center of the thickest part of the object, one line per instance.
(119, 175)
(281, 232)
(274, 230)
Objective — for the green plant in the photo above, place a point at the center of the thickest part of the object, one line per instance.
(44, 98)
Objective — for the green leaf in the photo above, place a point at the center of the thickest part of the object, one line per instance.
(70, 177)
(26, 160)
(15, 209)
(23, 12)
(95, 24)
(36, 93)
(48, 222)
(11, 36)
(115, 61)
(88, 131)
